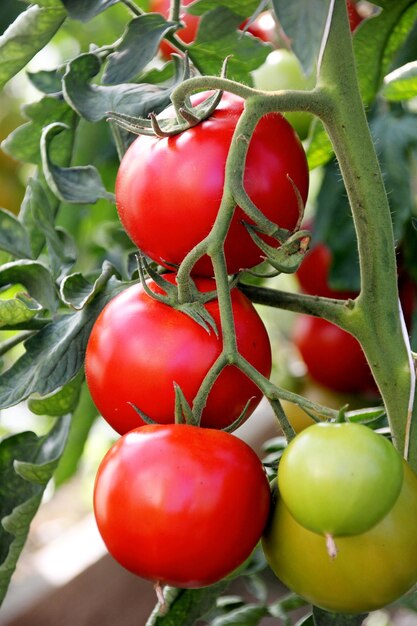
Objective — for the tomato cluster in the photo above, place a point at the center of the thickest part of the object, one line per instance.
(364, 572)
(176, 503)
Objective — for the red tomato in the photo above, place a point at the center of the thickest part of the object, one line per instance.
(313, 274)
(168, 191)
(355, 18)
(333, 356)
(186, 34)
(139, 347)
(181, 505)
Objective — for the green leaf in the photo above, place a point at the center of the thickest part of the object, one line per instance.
(82, 421)
(85, 10)
(14, 238)
(47, 81)
(28, 34)
(139, 45)
(93, 102)
(18, 310)
(37, 279)
(77, 291)
(395, 136)
(324, 618)
(303, 21)
(244, 8)
(334, 226)
(218, 37)
(79, 184)
(249, 615)
(60, 402)
(27, 463)
(23, 143)
(377, 40)
(320, 149)
(185, 606)
(401, 84)
(55, 354)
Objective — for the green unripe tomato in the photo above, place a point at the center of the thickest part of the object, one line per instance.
(339, 479)
(282, 70)
(370, 571)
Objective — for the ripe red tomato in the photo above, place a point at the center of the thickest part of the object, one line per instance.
(139, 347)
(355, 18)
(339, 479)
(181, 505)
(370, 571)
(313, 274)
(168, 191)
(333, 357)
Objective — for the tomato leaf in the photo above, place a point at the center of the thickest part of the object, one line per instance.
(244, 8)
(37, 279)
(55, 354)
(82, 420)
(27, 462)
(218, 37)
(320, 149)
(303, 21)
(401, 84)
(250, 615)
(85, 10)
(18, 310)
(77, 291)
(59, 402)
(333, 225)
(23, 143)
(14, 238)
(93, 102)
(78, 184)
(324, 618)
(137, 48)
(47, 81)
(377, 40)
(28, 34)
(395, 135)
(185, 606)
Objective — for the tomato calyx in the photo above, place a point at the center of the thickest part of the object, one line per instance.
(187, 116)
(194, 308)
(289, 256)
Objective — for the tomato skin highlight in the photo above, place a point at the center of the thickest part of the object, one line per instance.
(167, 220)
(181, 505)
(333, 357)
(139, 347)
(339, 479)
(370, 571)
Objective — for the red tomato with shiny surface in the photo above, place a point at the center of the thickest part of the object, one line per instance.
(181, 505)
(168, 191)
(139, 347)
(333, 357)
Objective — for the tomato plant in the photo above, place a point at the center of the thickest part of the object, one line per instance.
(332, 356)
(343, 584)
(339, 479)
(167, 220)
(139, 347)
(179, 504)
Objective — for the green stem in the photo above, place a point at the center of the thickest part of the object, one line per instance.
(375, 319)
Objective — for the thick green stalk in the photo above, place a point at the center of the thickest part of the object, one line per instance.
(375, 319)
